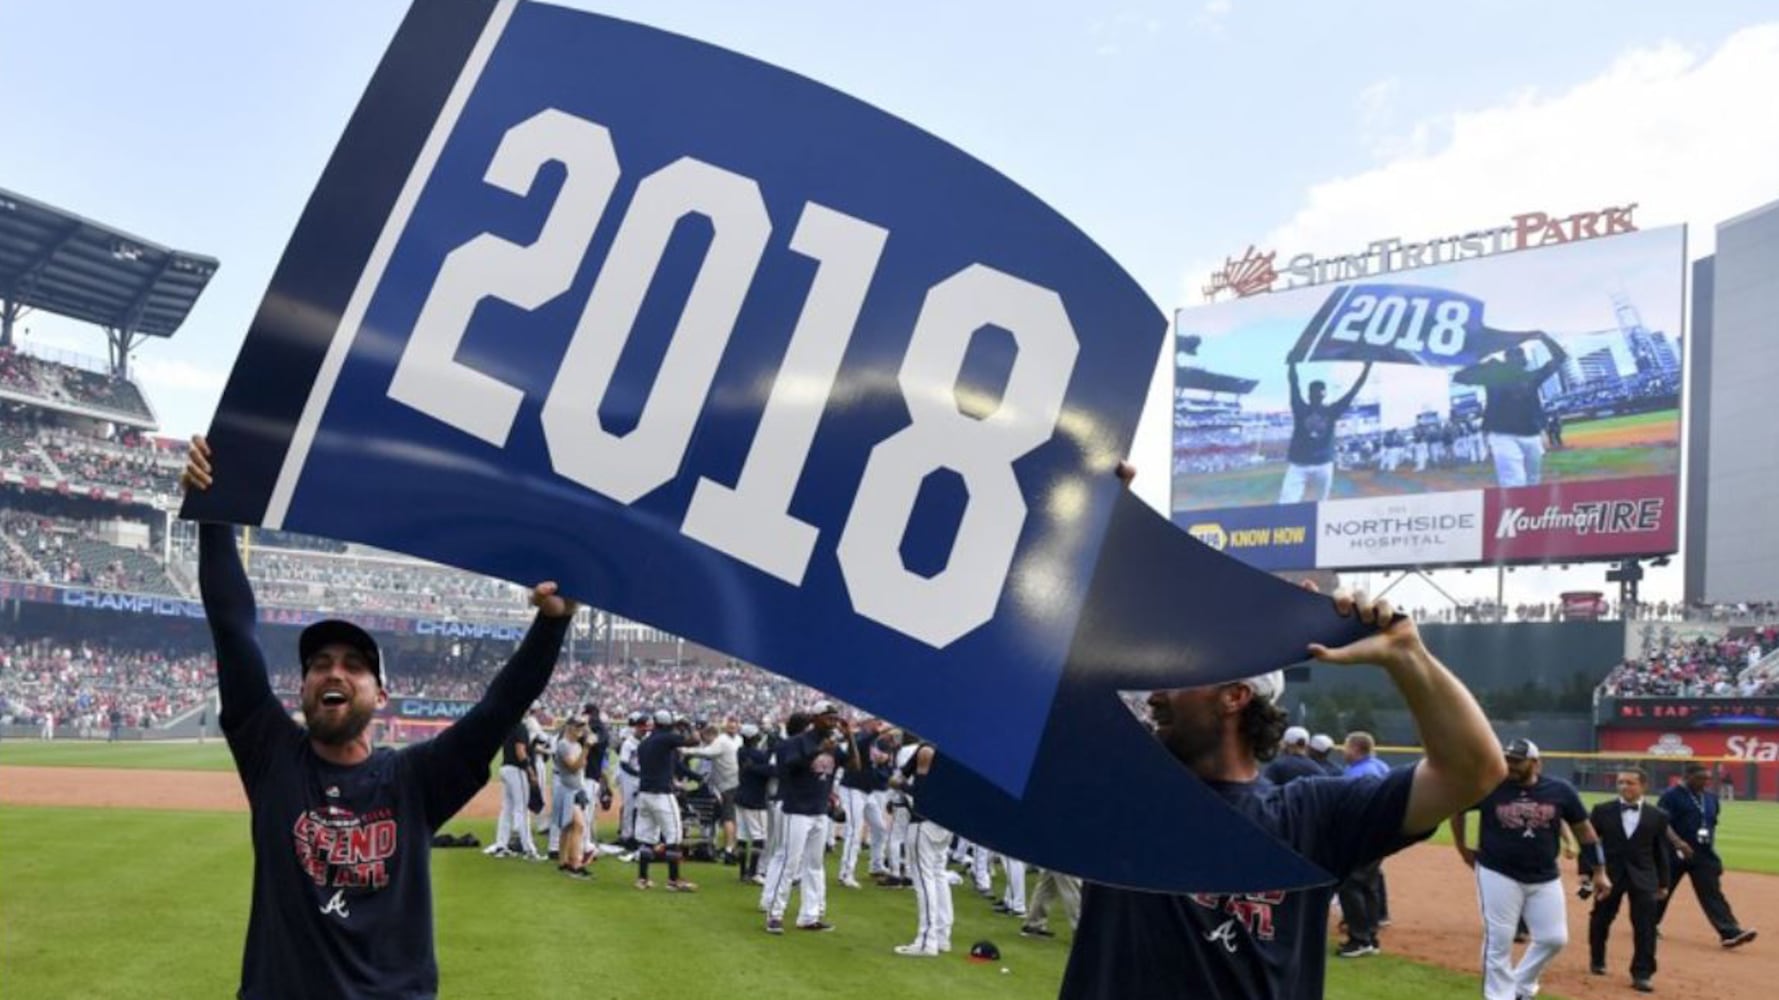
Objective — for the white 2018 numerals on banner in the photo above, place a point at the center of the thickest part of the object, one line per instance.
(1402, 322)
(751, 521)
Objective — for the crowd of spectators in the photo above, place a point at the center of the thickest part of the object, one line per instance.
(1697, 666)
(32, 443)
(84, 684)
(54, 381)
(365, 584)
(40, 548)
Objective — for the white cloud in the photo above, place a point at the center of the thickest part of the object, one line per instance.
(1682, 135)
(165, 376)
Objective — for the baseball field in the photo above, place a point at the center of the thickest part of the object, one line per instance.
(1642, 444)
(124, 872)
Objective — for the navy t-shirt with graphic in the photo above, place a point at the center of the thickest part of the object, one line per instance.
(1520, 827)
(1134, 945)
(342, 887)
(657, 757)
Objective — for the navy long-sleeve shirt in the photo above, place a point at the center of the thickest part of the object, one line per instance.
(657, 759)
(342, 887)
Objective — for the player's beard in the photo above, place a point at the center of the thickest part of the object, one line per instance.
(337, 728)
(1192, 731)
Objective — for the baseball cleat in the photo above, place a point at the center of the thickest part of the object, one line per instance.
(916, 951)
(1739, 938)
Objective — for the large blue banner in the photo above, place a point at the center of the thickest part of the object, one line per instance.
(729, 352)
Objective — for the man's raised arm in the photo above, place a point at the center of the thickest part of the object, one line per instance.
(456, 761)
(229, 609)
(1463, 762)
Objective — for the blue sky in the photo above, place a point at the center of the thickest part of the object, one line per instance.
(1173, 133)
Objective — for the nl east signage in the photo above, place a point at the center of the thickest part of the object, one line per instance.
(1255, 272)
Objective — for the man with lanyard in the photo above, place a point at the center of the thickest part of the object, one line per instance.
(1693, 812)
(1135, 945)
(1516, 869)
(342, 832)
(1362, 893)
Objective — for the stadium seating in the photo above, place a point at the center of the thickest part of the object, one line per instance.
(61, 384)
(1700, 667)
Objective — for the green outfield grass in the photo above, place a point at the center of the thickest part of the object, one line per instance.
(127, 903)
(1747, 838)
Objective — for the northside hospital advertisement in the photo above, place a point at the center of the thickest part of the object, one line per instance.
(1523, 407)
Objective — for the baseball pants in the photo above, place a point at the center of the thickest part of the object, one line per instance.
(657, 819)
(1013, 896)
(799, 854)
(1504, 903)
(896, 860)
(863, 809)
(981, 868)
(1519, 459)
(515, 796)
(628, 808)
(1054, 887)
(1706, 872)
(1306, 482)
(929, 842)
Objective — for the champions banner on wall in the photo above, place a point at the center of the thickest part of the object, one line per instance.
(730, 353)
(1532, 396)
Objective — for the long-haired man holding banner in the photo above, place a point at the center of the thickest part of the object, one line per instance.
(1272, 945)
(342, 831)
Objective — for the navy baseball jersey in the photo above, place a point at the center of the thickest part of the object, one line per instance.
(755, 765)
(516, 737)
(1520, 835)
(806, 773)
(1133, 945)
(657, 760)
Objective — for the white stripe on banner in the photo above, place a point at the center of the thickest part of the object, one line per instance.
(353, 317)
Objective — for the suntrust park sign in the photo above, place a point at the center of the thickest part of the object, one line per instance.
(1428, 529)
(1255, 272)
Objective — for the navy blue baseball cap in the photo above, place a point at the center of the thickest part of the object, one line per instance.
(333, 631)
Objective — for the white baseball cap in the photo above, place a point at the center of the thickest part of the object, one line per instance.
(1321, 743)
(1270, 686)
(1296, 736)
(663, 717)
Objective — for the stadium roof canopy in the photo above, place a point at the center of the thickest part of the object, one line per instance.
(61, 263)
(1208, 381)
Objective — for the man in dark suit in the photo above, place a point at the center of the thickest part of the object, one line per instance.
(1634, 835)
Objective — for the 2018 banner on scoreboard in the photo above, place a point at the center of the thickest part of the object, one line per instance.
(1541, 387)
(728, 352)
